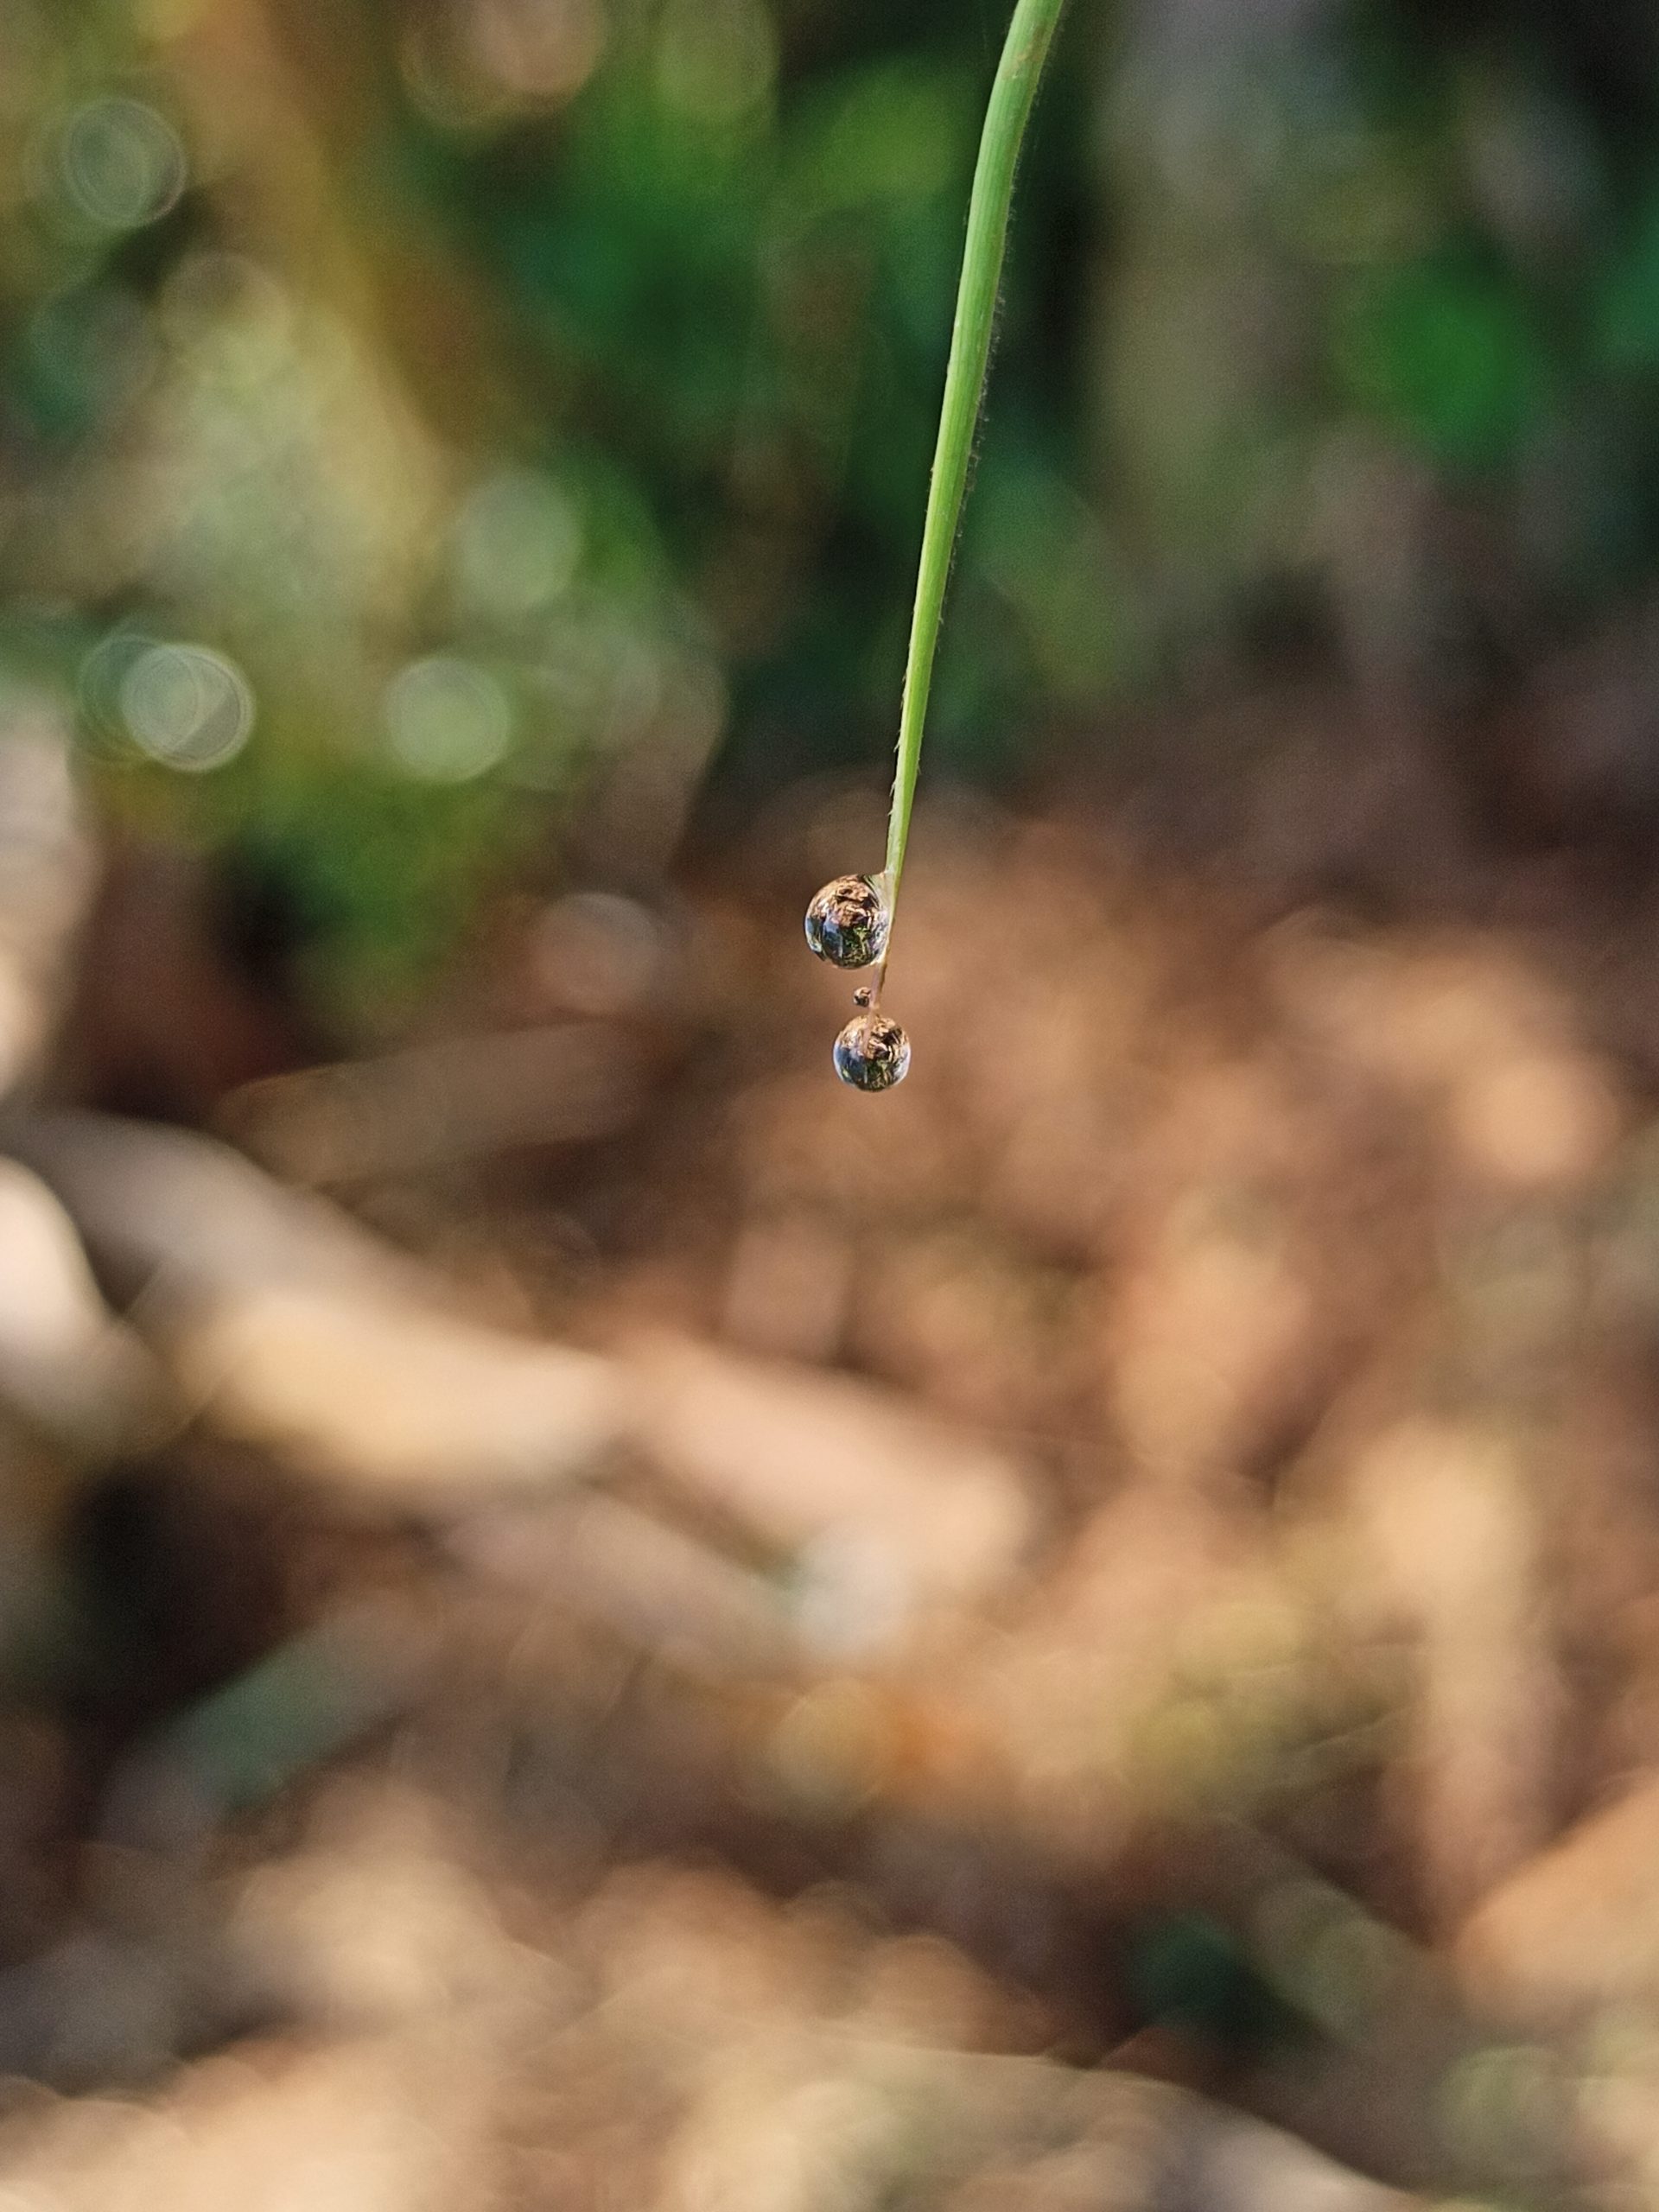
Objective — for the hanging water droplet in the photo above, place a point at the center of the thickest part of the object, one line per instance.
(846, 923)
(872, 1053)
(863, 995)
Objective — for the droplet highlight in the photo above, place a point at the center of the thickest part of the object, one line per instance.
(872, 1053)
(847, 924)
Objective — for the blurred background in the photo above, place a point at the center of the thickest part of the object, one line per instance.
(586, 1618)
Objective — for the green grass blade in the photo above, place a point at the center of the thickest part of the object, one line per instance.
(1030, 34)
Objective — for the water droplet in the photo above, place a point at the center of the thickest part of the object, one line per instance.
(863, 995)
(872, 1053)
(846, 923)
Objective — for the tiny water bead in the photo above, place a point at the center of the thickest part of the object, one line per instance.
(846, 923)
(863, 995)
(872, 1053)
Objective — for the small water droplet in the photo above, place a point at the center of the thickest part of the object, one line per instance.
(872, 1053)
(863, 995)
(846, 923)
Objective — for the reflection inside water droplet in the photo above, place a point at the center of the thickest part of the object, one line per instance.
(846, 923)
(872, 1053)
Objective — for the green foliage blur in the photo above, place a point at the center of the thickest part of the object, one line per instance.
(429, 429)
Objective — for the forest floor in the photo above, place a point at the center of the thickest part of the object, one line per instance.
(605, 1623)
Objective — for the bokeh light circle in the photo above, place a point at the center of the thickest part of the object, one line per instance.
(122, 163)
(518, 542)
(447, 720)
(186, 706)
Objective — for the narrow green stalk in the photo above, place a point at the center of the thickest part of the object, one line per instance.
(1024, 53)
